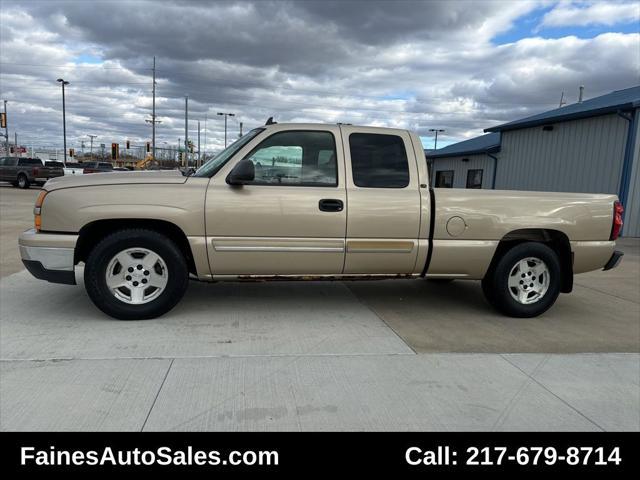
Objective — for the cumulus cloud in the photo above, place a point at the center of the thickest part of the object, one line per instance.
(409, 64)
(591, 13)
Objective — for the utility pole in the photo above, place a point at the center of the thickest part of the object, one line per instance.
(153, 112)
(6, 129)
(153, 120)
(225, 125)
(240, 130)
(186, 130)
(198, 163)
(205, 135)
(15, 142)
(64, 120)
(91, 146)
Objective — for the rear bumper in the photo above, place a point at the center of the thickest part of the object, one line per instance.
(614, 261)
(48, 257)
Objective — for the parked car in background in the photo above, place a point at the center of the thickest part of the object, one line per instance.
(74, 168)
(305, 201)
(23, 172)
(97, 167)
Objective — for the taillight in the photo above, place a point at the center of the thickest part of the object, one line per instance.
(37, 209)
(86, 170)
(618, 210)
(35, 171)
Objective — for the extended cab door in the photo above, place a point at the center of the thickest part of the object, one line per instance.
(384, 202)
(291, 220)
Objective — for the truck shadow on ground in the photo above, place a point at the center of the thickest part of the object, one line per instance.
(318, 317)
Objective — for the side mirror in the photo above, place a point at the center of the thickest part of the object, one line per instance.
(244, 172)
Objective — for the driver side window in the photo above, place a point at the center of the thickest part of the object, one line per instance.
(296, 158)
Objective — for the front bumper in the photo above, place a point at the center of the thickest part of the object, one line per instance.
(49, 256)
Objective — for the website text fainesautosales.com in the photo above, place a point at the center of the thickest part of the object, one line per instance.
(136, 456)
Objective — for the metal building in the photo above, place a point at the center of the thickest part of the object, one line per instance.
(591, 146)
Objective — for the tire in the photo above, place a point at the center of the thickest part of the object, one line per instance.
(23, 181)
(120, 253)
(519, 286)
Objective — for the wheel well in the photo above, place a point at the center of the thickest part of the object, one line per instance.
(93, 232)
(554, 239)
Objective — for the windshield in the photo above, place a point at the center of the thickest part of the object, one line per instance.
(212, 166)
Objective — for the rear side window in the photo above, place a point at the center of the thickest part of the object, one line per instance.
(54, 164)
(378, 161)
(29, 161)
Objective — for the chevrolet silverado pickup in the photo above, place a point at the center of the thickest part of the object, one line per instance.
(312, 202)
(22, 172)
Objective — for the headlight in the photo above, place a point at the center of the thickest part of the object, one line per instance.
(37, 209)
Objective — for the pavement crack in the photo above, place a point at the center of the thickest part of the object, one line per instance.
(157, 394)
(550, 391)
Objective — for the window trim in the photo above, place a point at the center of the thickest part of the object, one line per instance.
(444, 171)
(481, 170)
(406, 156)
(301, 184)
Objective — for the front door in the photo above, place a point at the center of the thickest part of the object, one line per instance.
(291, 220)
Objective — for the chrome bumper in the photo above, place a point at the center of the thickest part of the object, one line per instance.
(48, 256)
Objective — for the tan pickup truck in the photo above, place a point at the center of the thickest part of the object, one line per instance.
(312, 202)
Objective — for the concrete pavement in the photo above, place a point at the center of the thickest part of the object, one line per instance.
(281, 356)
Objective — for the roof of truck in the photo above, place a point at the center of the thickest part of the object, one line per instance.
(302, 126)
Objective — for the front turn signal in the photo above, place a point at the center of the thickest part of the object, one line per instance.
(37, 209)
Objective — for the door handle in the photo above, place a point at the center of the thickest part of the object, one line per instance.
(331, 205)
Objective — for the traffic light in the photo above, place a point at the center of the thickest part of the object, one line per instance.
(71, 152)
(128, 145)
(148, 147)
(115, 153)
(3, 120)
(11, 149)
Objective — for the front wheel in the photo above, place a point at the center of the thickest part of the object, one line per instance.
(23, 181)
(525, 282)
(136, 274)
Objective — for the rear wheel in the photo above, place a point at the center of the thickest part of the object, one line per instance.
(23, 181)
(136, 274)
(525, 282)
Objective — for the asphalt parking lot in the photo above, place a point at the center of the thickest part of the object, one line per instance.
(390, 355)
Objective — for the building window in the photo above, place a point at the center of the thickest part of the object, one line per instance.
(444, 179)
(474, 178)
(378, 161)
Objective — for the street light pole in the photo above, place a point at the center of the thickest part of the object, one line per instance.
(91, 145)
(435, 147)
(436, 130)
(199, 159)
(225, 125)
(6, 129)
(186, 130)
(64, 120)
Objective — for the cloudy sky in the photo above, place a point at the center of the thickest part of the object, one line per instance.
(458, 65)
